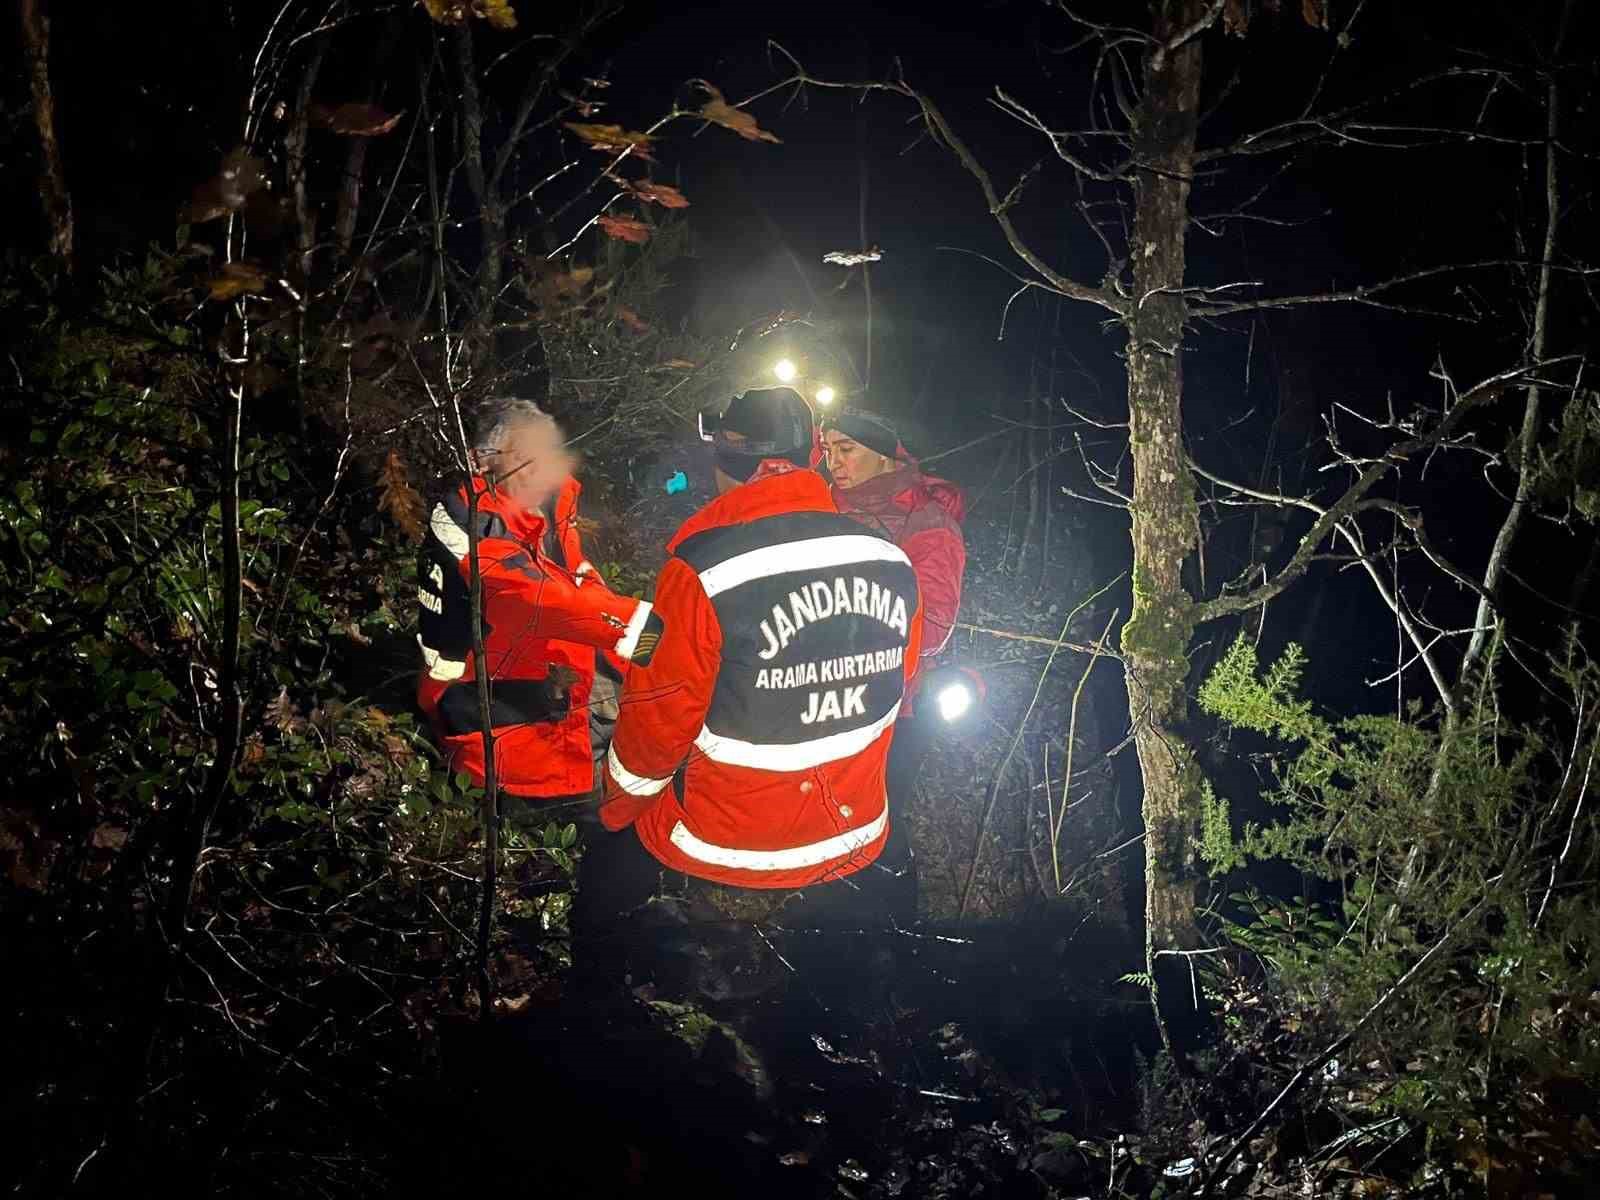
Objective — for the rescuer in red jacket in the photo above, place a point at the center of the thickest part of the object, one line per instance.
(751, 750)
(879, 484)
(546, 613)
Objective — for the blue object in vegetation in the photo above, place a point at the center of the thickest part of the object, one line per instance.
(678, 483)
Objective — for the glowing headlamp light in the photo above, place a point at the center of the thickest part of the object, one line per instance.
(825, 394)
(785, 370)
(954, 701)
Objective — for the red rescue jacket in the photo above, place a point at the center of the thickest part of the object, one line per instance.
(544, 606)
(751, 750)
(921, 514)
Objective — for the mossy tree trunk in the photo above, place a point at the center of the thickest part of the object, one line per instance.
(1155, 640)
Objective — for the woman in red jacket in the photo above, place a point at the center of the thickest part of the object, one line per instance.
(878, 483)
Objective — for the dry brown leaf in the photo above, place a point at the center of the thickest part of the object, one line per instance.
(281, 714)
(239, 279)
(612, 139)
(399, 499)
(585, 106)
(108, 837)
(1236, 17)
(626, 229)
(632, 319)
(353, 120)
(659, 193)
(497, 12)
(241, 175)
(446, 12)
(1315, 13)
(720, 112)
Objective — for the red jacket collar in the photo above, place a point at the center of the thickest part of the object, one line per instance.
(778, 487)
(523, 523)
(903, 489)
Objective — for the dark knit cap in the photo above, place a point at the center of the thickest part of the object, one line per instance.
(775, 423)
(871, 430)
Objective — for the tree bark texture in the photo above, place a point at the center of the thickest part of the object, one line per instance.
(485, 192)
(53, 193)
(1155, 640)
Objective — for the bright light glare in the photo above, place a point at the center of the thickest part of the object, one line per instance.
(954, 701)
(785, 370)
(824, 395)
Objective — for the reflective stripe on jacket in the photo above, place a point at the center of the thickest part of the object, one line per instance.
(546, 613)
(751, 750)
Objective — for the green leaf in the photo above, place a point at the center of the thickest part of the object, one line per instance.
(463, 781)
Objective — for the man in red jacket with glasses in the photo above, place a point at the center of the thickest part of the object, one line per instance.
(549, 620)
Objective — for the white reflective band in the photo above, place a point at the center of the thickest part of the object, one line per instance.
(585, 568)
(445, 670)
(836, 550)
(801, 756)
(629, 641)
(634, 785)
(813, 855)
(447, 531)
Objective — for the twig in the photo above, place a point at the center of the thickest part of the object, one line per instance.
(999, 775)
(1338, 1044)
(1038, 640)
(1072, 741)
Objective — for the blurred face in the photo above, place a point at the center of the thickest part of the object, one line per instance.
(850, 463)
(531, 464)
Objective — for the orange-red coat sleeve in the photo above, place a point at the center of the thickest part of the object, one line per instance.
(664, 702)
(939, 557)
(540, 601)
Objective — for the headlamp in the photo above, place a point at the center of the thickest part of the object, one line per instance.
(956, 694)
(785, 370)
(954, 700)
(825, 394)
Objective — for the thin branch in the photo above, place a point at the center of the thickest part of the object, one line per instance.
(1305, 1072)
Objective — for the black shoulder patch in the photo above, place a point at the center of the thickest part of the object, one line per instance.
(649, 639)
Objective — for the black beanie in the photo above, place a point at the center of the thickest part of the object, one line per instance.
(775, 422)
(868, 428)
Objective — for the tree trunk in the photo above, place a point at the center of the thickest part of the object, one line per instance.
(491, 213)
(1155, 640)
(349, 201)
(53, 194)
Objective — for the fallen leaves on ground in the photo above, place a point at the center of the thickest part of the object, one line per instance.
(632, 319)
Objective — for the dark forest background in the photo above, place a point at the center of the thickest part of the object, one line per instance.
(1259, 333)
